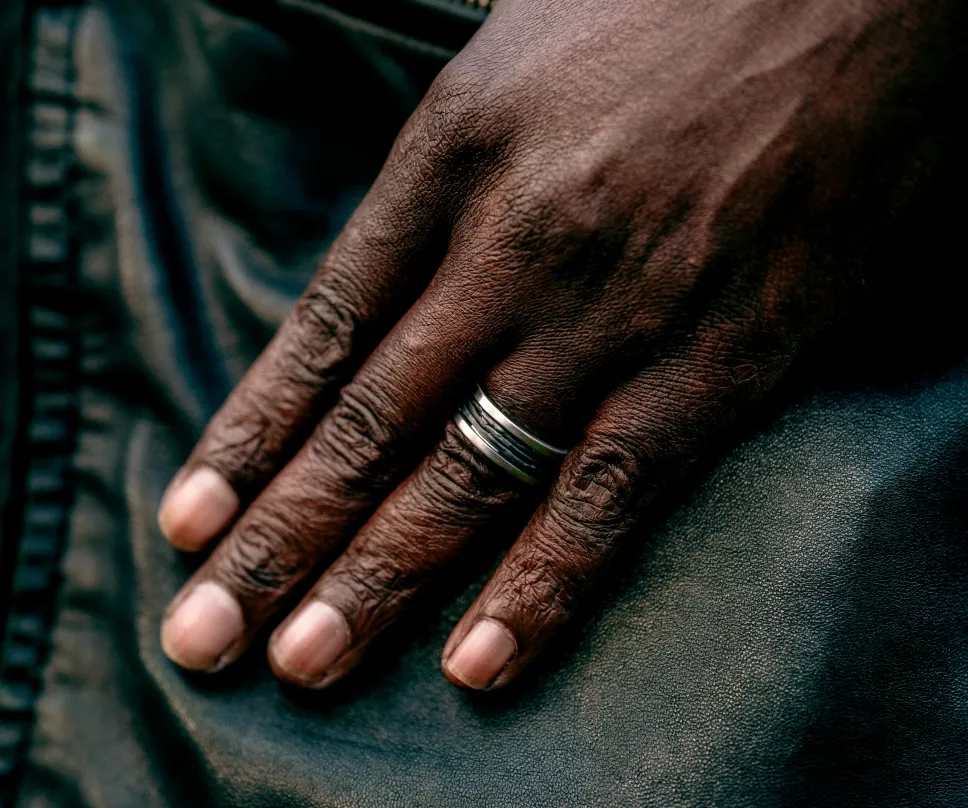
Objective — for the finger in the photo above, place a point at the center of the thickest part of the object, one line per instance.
(376, 268)
(643, 438)
(371, 438)
(432, 520)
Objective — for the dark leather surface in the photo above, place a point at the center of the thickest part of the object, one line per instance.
(794, 632)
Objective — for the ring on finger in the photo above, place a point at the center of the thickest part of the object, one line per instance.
(505, 443)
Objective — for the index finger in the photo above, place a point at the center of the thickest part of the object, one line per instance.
(378, 265)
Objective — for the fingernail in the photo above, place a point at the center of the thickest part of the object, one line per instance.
(311, 642)
(483, 654)
(202, 627)
(196, 509)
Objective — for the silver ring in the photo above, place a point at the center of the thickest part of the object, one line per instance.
(505, 443)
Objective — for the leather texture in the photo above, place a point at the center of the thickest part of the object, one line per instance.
(793, 632)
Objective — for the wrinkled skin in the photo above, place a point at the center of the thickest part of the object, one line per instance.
(626, 219)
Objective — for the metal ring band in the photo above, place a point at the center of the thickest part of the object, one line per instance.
(502, 441)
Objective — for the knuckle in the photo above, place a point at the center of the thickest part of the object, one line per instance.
(579, 528)
(439, 125)
(597, 495)
(357, 437)
(544, 581)
(262, 559)
(265, 417)
(534, 212)
(319, 343)
(373, 583)
(243, 438)
(468, 113)
(459, 485)
(461, 89)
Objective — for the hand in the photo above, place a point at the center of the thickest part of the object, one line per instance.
(625, 220)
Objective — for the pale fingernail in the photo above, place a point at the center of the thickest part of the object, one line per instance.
(312, 641)
(202, 627)
(197, 509)
(483, 654)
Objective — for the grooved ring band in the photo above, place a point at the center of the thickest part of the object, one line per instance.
(505, 443)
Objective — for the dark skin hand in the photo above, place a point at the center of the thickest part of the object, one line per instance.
(626, 220)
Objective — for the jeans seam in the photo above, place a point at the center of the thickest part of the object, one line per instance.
(50, 373)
